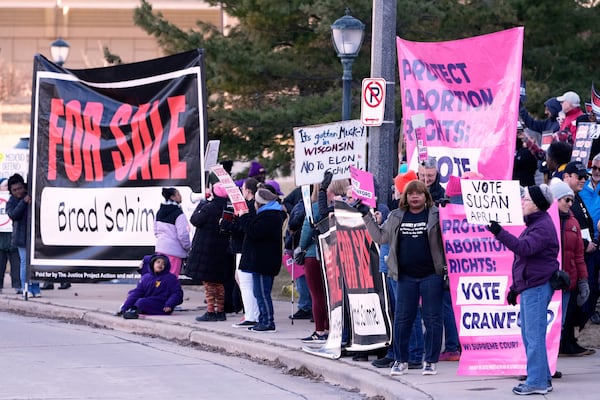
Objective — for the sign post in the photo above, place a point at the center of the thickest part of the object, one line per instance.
(372, 101)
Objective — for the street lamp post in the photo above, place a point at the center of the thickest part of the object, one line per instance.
(60, 51)
(347, 33)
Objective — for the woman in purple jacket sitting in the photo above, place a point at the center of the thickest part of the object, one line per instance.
(157, 293)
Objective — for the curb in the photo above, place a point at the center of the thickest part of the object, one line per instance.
(337, 372)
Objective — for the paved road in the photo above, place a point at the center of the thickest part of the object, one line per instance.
(95, 304)
(46, 359)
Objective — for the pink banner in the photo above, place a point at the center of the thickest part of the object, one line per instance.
(363, 186)
(479, 268)
(464, 96)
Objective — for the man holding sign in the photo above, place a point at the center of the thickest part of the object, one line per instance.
(536, 251)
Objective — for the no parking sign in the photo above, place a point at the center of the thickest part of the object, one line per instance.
(372, 101)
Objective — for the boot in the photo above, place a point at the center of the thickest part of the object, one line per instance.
(207, 317)
(220, 316)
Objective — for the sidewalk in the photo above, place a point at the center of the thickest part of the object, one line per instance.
(95, 304)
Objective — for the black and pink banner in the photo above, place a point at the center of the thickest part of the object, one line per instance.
(359, 318)
(103, 143)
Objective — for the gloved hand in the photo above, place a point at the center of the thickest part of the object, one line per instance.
(584, 291)
(362, 208)
(299, 255)
(511, 297)
(443, 201)
(494, 227)
(327, 177)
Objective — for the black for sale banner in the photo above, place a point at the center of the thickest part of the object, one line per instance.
(104, 142)
(365, 288)
(356, 293)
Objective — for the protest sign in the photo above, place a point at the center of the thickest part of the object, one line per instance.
(468, 92)
(487, 201)
(330, 147)
(233, 192)
(104, 142)
(586, 133)
(363, 186)
(480, 273)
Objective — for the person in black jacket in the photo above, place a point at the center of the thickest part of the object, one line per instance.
(17, 209)
(262, 253)
(209, 260)
(236, 229)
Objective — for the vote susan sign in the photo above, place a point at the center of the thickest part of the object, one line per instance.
(487, 201)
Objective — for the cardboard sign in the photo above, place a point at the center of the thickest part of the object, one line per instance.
(330, 147)
(487, 201)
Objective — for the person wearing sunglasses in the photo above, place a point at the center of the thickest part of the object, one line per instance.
(573, 263)
(575, 176)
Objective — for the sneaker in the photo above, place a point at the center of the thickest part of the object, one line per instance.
(315, 338)
(130, 313)
(450, 356)
(549, 388)
(64, 285)
(244, 324)
(262, 328)
(429, 369)
(524, 389)
(399, 368)
(301, 314)
(415, 365)
(384, 362)
(207, 317)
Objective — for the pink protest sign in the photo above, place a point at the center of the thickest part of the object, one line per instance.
(467, 91)
(363, 187)
(480, 272)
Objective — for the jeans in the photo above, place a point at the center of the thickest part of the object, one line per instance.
(263, 284)
(534, 321)
(410, 291)
(415, 344)
(33, 287)
(450, 332)
(304, 299)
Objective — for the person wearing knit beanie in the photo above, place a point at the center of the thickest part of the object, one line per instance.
(219, 190)
(541, 196)
(536, 252)
(264, 196)
(401, 180)
(561, 189)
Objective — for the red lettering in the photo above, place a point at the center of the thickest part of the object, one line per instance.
(159, 171)
(142, 144)
(54, 135)
(332, 269)
(176, 137)
(363, 265)
(123, 158)
(92, 162)
(72, 136)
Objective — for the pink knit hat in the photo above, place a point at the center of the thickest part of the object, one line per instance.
(219, 190)
(401, 180)
(453, 187)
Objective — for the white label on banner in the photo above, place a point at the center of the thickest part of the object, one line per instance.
(100, 216)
